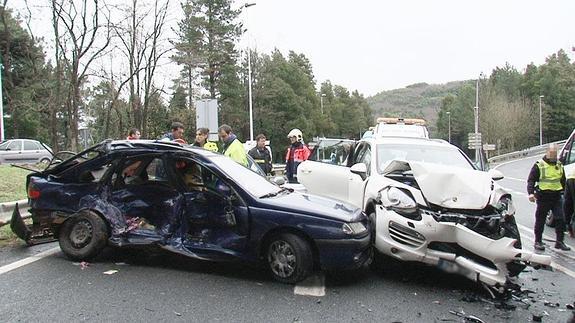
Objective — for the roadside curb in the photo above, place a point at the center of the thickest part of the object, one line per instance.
(7, 208)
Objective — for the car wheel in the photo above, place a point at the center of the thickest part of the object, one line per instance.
(45, 161)
(83, 236)
(289, 258)
(549, 220)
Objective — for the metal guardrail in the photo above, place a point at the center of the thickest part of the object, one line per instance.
(533, 151)
(7, 208)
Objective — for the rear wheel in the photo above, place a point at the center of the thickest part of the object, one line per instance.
(83, 236)
(289, 258)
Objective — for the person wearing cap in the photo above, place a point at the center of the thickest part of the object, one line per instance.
(545, 186)
(296, 154)
(202, 140)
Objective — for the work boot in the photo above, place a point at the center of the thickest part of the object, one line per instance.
(539, 246)
(561, 246)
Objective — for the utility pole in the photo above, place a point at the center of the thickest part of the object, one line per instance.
(449, 126)
(247, 5)
(321, 96)
(476, 112)
(540, 121)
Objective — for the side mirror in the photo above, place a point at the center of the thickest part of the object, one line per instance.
(278, 180)
(495, 174)
(359, 169)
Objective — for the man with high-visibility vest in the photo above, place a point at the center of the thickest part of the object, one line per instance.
(231, 145)
(545, 186)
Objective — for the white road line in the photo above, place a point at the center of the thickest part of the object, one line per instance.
(562, 269)
(514, 160)
(26, 261)
(312, 286)
(515, 179)
(544, 236)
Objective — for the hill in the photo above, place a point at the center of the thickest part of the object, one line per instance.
(419, 100)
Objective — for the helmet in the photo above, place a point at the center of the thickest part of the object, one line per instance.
(296, 133)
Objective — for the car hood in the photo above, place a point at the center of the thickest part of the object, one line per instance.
(313, 205)
(449, 187)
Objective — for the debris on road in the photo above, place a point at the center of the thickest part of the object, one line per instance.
(178, 314)
(467, 318)
(84, 265)
(110, 272)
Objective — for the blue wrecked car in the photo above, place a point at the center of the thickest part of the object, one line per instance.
(192, 202)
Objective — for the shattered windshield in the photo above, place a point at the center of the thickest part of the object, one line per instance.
(250, 181)
(422, 153)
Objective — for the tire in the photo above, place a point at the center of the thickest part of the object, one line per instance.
(45, 161)
(549, 221)
(83, 236)
(289, 258)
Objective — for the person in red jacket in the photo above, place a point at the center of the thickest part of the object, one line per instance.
(296, 154)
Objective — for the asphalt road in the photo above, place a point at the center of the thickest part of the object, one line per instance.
(151, 285)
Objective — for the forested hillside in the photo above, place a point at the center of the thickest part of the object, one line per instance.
(420, 100)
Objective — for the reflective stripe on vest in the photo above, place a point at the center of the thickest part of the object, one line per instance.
(550, 176)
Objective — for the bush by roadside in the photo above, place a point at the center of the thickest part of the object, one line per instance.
(12, 183)
(7, 237)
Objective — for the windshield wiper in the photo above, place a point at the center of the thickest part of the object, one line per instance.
(273, 194)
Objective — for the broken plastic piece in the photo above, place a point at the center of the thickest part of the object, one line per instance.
(110, 272)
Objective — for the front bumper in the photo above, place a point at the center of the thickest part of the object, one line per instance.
(344, 254)
(451, 246)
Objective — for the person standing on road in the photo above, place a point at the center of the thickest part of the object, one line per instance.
(296, 154)
(261, 154)
(202, 135)
(177, 133)
(232, 146)
(545, 186)
(133, 134)
(568, 205)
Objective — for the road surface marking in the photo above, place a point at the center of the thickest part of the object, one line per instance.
(563, 269)
(515, 160)
(515, 179)
(26, 261)
(312, 286)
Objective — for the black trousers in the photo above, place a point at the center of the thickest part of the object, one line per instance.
(544, 205)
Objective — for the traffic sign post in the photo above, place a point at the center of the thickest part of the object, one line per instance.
(474, 140)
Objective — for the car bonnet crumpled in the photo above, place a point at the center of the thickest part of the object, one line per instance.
(448, 186)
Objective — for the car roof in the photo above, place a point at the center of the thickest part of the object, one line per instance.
(117, 145)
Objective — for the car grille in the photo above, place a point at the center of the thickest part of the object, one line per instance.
(405, 235)
(485, 222)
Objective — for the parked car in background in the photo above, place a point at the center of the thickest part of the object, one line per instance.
(24, 151)
(192, 202)
(427, 203)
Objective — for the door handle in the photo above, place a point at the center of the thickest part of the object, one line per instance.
(306, 171)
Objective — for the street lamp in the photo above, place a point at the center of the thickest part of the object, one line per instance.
(540, 121)
(247, 5)
(449, 126)
(322, 95)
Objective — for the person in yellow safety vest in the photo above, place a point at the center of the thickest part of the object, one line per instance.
(261, 154)
(202, 140)
(545, 186)
(569, 204)
(232, 146)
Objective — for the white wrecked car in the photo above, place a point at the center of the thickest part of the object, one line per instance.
(429, 204)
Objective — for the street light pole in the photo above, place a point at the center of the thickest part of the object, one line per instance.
(476, 112)
(321, 96)
(449, 126)
(247, 5)
(540, 121)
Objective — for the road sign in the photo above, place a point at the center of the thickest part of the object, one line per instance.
(474, 140)
(488, 147)
(473, 135)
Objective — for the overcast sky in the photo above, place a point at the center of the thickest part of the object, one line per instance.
(381, 45)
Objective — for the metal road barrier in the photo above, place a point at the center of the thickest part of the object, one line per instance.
(7, 208)
(533, 151)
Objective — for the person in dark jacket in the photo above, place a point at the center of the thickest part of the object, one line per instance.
(296, 154)
(569, 204)
(545, 186)
(261, 154)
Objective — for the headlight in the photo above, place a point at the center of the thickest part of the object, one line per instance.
(353, 228)
(398, 200)
(506, 207)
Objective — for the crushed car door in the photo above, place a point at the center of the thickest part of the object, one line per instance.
(356, 182)
(145, 192)
(215, 222)
(325, 172)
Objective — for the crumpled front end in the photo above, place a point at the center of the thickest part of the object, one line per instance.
(417, 220)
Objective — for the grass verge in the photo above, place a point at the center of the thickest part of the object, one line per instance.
(12, 183)
(7, 237)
